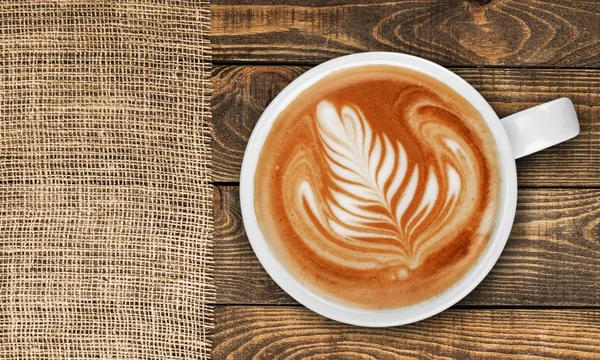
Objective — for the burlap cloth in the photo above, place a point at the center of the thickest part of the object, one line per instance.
(105, 195)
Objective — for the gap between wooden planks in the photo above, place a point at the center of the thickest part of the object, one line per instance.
(241, 93)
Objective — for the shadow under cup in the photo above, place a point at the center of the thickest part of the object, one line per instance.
(340, 137)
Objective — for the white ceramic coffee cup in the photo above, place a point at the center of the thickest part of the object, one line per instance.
(518, 135)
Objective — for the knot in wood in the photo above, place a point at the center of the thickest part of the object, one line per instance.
(481, 2)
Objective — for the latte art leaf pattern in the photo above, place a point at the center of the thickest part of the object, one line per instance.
(381, 208)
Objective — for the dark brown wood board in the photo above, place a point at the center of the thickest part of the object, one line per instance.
(551, 259)
(531, 33)
(241, 93)
(286, 332)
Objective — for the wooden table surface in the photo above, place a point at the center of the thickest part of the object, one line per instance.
(543, 296)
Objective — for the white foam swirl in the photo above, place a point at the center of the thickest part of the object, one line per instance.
(379, 208)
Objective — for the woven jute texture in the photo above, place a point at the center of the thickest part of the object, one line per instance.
(105, 195)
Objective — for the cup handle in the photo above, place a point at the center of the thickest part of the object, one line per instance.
(541, 126)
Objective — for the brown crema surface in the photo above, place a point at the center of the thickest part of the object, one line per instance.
(378, 187)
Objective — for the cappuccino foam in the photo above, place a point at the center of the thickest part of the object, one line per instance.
(378, 187)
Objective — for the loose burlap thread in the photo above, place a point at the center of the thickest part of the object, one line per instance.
(105, 195)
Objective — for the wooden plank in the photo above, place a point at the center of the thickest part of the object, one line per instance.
(239, 277)
(561, 33)
(551, 259)
(295, 332)
(242, 92)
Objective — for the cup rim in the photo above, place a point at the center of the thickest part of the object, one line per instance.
(402, 315)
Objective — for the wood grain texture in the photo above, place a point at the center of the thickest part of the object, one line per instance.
(552, 257)
(561, 33)
(296, 333)
(241, 93)
(239, 277)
